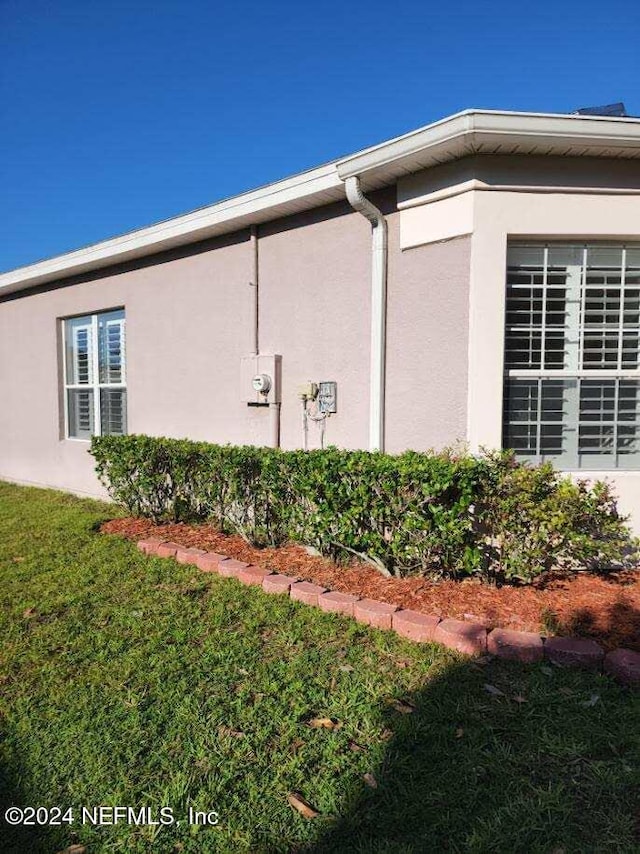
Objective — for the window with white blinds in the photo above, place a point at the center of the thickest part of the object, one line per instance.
(572, 348)
(95, 375)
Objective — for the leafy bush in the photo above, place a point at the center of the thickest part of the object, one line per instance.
(534, 519)
(408, 514)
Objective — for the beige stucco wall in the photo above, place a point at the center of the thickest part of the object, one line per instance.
(189, 323)
(189, 319)
(314, 312)
(599, 200)
(427, 344)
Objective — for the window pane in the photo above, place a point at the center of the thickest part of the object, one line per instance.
(113, 411)
(79, 351)
(631, 322)
(536, 417)
(524, 309)
(597, 420)
(604, 309)
(111, 347)
(585, 423)
(80, 409)
(526, 256)
(543, 307)
(609, 422)
(604, 260)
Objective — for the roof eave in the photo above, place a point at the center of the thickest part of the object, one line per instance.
(469, 132)
(301, 192)
(475, 132)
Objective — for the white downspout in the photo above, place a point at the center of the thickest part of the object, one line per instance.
(378, 308)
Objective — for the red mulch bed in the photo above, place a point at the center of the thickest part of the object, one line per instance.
(607, 609)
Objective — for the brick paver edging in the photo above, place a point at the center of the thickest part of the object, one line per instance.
(467, 637)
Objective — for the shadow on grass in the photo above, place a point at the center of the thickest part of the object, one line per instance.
(485, 757)
(19, 839)
(501, 758)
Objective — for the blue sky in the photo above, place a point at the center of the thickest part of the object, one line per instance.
(116, 114)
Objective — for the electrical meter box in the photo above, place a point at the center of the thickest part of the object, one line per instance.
(308, 390)
(328, 397)
(260, 379)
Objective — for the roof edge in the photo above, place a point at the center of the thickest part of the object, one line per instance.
(457, 135)
(231, 214)
(485, 125)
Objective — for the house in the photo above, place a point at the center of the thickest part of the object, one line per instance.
(475, 281)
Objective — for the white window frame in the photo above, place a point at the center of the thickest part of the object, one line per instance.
(94, 385)
(576, 372)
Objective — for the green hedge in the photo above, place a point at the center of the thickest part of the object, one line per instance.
(408, 514)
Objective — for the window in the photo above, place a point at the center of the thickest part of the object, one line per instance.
(95, 375)
(572, 348)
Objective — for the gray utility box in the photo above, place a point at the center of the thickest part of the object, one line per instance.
(328, 397)
(254, 366)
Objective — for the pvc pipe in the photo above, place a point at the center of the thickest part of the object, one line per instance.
(274, 408)
(379, 252)
(305, 425)
(274, 425)
(254, 283)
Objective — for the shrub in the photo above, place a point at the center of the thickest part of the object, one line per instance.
(533, 519)
(412, 513)
(238, 488)
(406, 513)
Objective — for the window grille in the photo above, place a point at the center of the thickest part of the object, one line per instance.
(572, 346)
(94, 371)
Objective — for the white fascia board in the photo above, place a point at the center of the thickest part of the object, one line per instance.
(476, 129)
(404, 146)
(225, 216)
(468, 132)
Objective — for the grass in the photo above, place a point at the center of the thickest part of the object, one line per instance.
(127, 680)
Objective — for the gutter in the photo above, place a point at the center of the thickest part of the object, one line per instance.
(469, 132)
(379, 252)
(300, 192)
(480, 131)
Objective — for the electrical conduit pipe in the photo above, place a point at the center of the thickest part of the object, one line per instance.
(274, 407)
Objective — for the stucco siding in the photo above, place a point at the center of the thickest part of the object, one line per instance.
(315, 312)
(189, 322)
(187, 327)
(427, 344)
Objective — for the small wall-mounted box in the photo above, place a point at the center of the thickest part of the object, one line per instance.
(308, 391)
(328, 397)
(260, 379)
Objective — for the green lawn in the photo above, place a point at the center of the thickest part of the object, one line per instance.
(127, 680)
